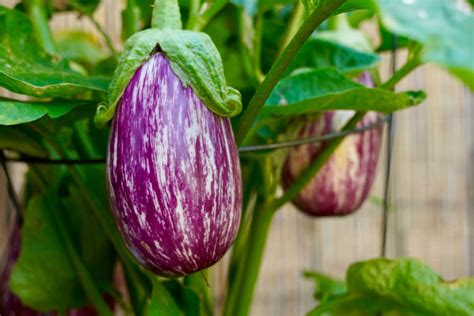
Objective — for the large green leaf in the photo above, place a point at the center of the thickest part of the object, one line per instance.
(396, 287)
(318, 53)
(410, 282)
(14, 112)
(326, 89)
(444, 30)
(52, 283)
(26, 69)
(43, 276)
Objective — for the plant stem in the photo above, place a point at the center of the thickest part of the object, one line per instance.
(193, 15)
(98, 27)
(166, 15)
(201, 21)
(276, 72)
(84, 276)
(130, 19)
(249, 269)
(250, 266)
(247, 231)
(409, 66)
(257, 48)
(105, 36)
(37, 12)
(293, 26)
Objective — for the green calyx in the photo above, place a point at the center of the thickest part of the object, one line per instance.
(193, 57)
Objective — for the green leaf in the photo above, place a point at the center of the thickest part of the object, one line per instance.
(193, 57)
(347, 6)
(186, 298)
(51, 282)
(444, 30)
(79, 46)
(365, 305)
(326, 89)
(22, 140)
(387, 40)
(398, 287)
(342, 32)
(325, 286)
(352, 5)
(161, 302)
(412, 283)
(198, 284)
(14, 112)
(91, 242)
(26, 69)
(318, 53)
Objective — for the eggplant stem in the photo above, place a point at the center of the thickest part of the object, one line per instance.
(166, 15)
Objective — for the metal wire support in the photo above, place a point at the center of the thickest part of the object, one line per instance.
(244, 149)
(388, 162)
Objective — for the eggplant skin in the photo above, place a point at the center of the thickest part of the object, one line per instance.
(173, 174)
(343, 183)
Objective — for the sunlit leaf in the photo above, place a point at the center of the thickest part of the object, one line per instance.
(26, 69)
(14, 112)
(444, 30)
(326, 89)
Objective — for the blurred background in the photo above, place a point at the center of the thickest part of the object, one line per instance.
(431, 192)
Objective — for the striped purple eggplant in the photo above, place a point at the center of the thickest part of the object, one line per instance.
(173, 174)
(344, 182)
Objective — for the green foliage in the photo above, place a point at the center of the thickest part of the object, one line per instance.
(393, 287)
(251, 7)
(16, 112)
(187, 298)
(326, 287)
(162, 302)
(86, 6)
(329, 54)
(22, 140)
(326, 89)
(79, 46)
(26, 69)
(441, 28)
(52, 283)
